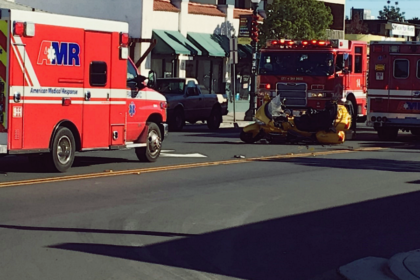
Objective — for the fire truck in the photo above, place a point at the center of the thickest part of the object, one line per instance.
(308, 73)
(394, 88)
(67, 85)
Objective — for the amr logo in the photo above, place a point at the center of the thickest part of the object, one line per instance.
(56, 53)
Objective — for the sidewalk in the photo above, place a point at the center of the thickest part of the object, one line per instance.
(240, 108)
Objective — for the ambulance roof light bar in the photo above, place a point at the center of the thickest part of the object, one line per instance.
(26, 29)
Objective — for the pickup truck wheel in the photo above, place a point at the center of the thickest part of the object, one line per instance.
(215, 118)
(63, 150)
(151, 152)
(178, 121)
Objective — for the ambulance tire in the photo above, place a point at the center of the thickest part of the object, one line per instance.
(151, 152)
(415, 131)
(387, 134)
(63, 150)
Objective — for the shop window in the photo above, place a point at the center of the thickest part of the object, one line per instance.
(98, 73)
(401, 68)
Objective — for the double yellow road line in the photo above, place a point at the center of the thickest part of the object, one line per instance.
(110, 173)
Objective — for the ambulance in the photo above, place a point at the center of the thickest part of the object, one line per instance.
(394, 88)
(67, 85)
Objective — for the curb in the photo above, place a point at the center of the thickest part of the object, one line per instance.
(235, 125)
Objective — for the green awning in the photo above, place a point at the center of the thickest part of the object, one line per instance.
(173, 42)
(207, 43)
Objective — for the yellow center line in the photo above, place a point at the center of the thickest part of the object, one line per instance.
(176, 167)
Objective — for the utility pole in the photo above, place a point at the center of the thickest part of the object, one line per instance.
(250, 113)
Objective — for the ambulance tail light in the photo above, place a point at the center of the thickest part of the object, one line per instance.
(124, 39)
(377, 48)
(163, 105)
(26, 29)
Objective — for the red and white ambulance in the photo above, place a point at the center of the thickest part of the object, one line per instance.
(308, 73)
(67, 85)
(394, 88)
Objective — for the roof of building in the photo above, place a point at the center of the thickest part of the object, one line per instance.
(204, 9)
(164, 5)
(4, 4)
(237, 12)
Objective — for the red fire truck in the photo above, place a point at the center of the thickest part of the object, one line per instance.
(67, 85)
(394, 88)
(310, 73)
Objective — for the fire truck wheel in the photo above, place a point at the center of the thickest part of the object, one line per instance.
(63, 150)
(353, 104)
(215, 118)
(151, 152)
(389, 133)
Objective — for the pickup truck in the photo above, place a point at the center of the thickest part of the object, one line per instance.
(191, 102)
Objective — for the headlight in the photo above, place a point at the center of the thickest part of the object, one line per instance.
(317, 94)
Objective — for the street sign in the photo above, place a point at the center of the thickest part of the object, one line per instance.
(245, 26)
(233, 47)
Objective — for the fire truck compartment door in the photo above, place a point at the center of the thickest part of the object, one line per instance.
(96, 106)
(401, 86)
(17, 93)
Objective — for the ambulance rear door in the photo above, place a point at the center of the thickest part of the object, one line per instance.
(401, 85)
(96, 105)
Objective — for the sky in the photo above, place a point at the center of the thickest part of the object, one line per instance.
(410, 7)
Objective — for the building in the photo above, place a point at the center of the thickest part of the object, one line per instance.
(361, 23)
(192, 38)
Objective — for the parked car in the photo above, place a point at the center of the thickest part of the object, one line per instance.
(191, 102)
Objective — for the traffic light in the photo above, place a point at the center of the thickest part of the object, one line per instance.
(254, 28)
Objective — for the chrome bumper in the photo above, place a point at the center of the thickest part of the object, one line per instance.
(165, 129)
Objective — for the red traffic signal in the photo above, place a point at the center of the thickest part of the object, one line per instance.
(254, 29)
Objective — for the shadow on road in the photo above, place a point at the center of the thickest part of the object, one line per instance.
(21, 164)
(290, 248)
(363, 164)
(104, 231)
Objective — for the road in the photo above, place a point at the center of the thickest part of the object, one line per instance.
(273, 218)
(194, 145)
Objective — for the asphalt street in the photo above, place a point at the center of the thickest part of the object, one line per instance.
(196, 143)
(295, 218)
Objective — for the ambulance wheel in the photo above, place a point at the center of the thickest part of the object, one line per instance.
(63, 150)
(389, 133)
(151, 152)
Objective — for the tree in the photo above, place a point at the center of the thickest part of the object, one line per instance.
(295, 19)
(357, 26)
(392, 13)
